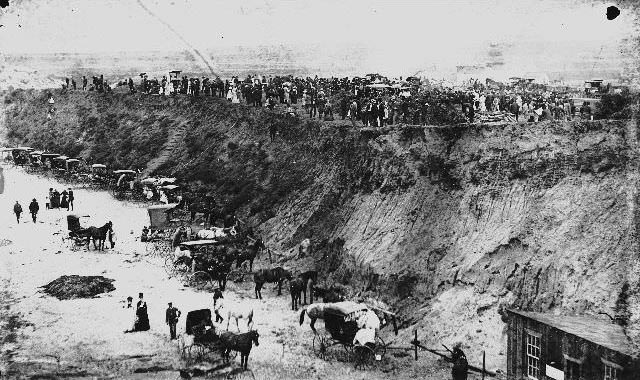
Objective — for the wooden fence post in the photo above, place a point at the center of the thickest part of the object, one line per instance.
(483, 365)
(415, 343)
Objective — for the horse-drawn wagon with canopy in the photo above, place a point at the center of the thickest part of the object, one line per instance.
(47, 159)
(21, 156)
(124, 182)
(354, 326)
(163, 229)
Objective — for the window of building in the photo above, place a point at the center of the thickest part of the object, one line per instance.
(533, 356)
(611, 370)
(572, 371)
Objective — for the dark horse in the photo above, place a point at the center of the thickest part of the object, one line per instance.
(99, 234)
(277, 274)
(249, 253)
(239, 342)
(299, 286)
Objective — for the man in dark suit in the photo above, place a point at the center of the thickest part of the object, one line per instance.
(173, 314)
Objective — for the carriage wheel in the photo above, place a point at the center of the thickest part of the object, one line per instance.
(199, 278)
(196, 353)
(363, 357)
(169, 266)
(180, 267)
(321, 343)
(236, 275)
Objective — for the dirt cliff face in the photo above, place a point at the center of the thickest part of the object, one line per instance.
(451, 225)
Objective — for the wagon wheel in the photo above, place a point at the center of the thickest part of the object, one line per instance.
(180, 266)
(196, 352)
(199, 277)
(363, 356)
(169, 265)
(321, 343)
(236, 275)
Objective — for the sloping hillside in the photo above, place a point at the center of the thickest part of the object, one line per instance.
(451, 225)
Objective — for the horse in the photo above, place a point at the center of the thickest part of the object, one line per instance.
(299, 285)
(315, 312)
(239, 342)
(277, 274)
(216, 232)
(99, 234)
(240, 314)
(295, 288)
(249, 253)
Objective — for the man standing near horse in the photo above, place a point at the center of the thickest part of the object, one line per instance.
(172, 316)
(33, 209)
(17, 209)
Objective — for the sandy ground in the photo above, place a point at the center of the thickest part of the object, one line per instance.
(87, 334)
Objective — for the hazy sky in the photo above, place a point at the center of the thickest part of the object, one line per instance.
(443, 32)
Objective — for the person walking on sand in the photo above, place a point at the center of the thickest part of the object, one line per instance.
(172, 316)
(17, 209)
(34, 207)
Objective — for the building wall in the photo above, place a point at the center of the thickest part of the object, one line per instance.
(558, 346)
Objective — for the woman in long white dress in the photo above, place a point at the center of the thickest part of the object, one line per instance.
(234, 96)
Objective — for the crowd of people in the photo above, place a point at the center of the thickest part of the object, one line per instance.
(372, 100)
(53, 199)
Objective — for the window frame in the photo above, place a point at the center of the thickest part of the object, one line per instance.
(537, 338)
(614, 367)
(579, 362)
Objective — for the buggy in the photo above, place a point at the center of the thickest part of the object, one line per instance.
(161, 227)
(76, 232)
(208, 260)
(341, 327)
(124, 183)
(21, 155)
(204, 339)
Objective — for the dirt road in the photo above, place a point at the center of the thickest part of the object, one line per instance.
(85, 336)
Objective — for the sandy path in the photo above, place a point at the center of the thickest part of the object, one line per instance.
(87, 334)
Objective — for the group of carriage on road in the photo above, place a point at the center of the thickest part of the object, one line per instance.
(200, 256)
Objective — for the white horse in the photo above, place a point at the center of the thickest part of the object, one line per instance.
(241, 313)
(216, 232)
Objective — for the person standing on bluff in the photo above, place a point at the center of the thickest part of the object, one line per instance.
(34, 207)
(17, 209)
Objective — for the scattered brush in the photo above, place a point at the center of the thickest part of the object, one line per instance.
(74, 286)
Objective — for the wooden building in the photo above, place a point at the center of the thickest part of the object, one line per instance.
(544, 346)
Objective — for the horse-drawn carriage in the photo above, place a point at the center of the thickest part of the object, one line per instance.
(162, 228)
(204, 261)
(21, 156)
(124, 183)
(201, 340)
(77, 234)
(347, 324)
